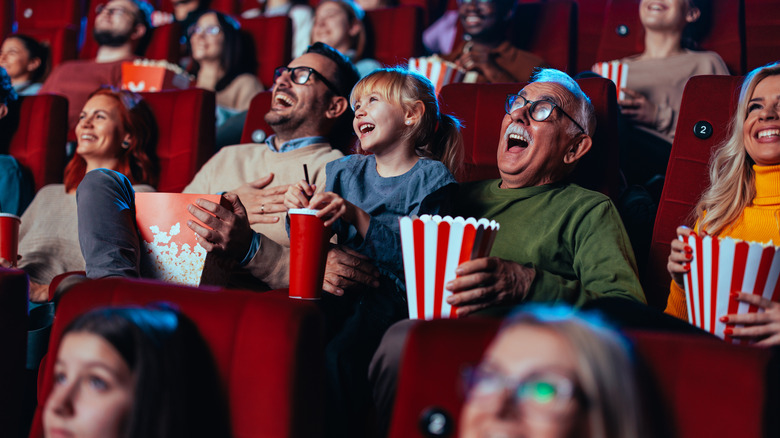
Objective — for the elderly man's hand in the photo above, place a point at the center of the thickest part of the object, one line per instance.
(346, 269)
(489, 281)
(230, 232)
(261, 200)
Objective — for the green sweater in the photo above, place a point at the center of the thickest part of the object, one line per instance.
(571, 236)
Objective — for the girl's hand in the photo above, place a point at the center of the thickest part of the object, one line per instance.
(332, 207)
(680, 258)
(764, 327)
(298, 195)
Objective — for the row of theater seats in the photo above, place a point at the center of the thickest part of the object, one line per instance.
(569, 34)
(187, 139)
(269, 352)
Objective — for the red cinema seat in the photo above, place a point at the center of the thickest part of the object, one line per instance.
(394, 34)
(531, 30)
(268, 349)
(62, 42)
(255, 128)
(762, 32)
(186, 123)
(623, 33)
(13, 344)
(229, 7)
(6, 18)
(272, 39)
(707, 387)
(686, 175)
(39, 141)
(31, 14)
(431, 9)
(481, 109)
(590, 25)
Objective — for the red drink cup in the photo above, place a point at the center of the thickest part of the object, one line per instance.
(9, 237)
(308, 252)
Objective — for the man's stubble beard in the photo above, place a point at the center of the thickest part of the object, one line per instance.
(109, 39)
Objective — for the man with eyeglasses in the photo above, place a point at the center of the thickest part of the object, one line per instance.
(122, 30)
(484, 52)
(557, 242)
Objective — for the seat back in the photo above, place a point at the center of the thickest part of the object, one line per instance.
(229, 7)
(7, 10)
(762, 32)
(272, 40)
(39, 141)
(386, 43)
(687, 370)
(590, 25)
(34, 14)
(267, 348)
(13, 344)
(531, 27)
(687, 173)
(255, 128)
(623, 33)
(186, 125)
(481, 109)
(62, 42)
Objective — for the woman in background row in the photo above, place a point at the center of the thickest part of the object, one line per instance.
(551, 372)
(742, 201)
(26, 61)
(135, 373)
(116, 130)
(339, 24)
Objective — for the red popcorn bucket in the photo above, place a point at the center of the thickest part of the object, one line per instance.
(616, 72)
(9, 237)
(433, 247)
(722, 266)
(439, 71)
(170, 251)
(153, 75)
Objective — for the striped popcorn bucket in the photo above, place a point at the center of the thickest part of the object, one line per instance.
(616, 72)
(721, 266)
(433, 247)
(439, 71)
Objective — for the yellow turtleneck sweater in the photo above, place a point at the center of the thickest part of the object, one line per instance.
(759, 222)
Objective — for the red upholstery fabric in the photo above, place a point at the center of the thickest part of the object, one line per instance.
(226, 6)
(481, 108)
(686, 175)
(531, 29)
(31, 14)
(186, 126)
(62, 42)
(708, 387)
(272, 38)
(13, 344)
(260, 105)
(590, 25)
(726, 36)
(268, 349)
(762, 32)
(6, 18)
(39, 141)
(396, 34)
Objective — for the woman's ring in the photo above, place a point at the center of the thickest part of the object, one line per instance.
(262, 208)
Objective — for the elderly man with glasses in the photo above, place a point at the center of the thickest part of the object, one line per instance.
(557, 242)
(122, 30)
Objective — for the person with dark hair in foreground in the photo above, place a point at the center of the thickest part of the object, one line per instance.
(135, 372)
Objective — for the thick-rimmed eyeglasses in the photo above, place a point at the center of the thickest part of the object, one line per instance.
(543, 392)
(101, 8)
(301, 75)
(540, 110)
(205, 30)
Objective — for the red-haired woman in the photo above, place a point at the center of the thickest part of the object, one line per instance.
(116, 130)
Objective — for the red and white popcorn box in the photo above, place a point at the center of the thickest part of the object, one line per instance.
(153, 75)
(433, 247)
(721, 266)
(439, 71)
(171, 251)
(616, 72)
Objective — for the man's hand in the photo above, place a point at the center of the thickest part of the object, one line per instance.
(230, 232)
(346, 269)
(489, 281)
(260, 201)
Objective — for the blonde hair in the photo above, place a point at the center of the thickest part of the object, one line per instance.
(732, 179)
(437, 136)
(605, 366)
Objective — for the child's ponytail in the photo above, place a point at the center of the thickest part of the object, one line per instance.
(447, 144)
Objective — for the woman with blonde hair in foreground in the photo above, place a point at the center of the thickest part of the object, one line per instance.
(554, 372)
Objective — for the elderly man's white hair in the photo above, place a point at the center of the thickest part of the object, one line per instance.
(585, 114)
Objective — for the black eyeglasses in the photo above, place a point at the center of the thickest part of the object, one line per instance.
(540, 110)
(301, 75)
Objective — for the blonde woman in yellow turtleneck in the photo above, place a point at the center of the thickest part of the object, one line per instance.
(743, 200)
